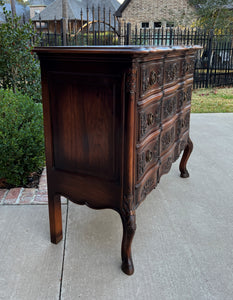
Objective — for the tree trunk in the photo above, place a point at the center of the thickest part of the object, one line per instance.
(65, 20)
(13, 9)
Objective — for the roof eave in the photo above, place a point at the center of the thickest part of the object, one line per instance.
(123, 6)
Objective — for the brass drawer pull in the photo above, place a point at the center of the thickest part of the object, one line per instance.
(150, 119)
(148, 156)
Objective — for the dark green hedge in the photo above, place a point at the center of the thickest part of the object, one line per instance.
(21, 137)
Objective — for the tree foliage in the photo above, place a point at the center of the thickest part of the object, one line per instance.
(23, 2)
(213, 14)
(19, 69)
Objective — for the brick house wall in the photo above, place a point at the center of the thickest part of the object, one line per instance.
(137, 12)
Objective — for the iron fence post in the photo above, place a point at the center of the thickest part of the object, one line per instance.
(171, 36)
(128, 34)
(211, 34)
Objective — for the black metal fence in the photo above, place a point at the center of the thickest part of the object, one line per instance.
(214, 63)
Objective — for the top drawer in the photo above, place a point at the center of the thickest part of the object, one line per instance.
(171, 72)
(151, 78)
(187, 66)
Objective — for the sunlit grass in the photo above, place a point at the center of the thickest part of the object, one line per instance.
(212, 100)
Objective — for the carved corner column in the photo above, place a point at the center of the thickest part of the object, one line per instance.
(127, 211)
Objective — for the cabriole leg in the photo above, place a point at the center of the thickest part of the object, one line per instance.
(129, 228)
(55, 217)
(187, 151)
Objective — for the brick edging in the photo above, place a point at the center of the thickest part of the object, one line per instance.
(18, 196)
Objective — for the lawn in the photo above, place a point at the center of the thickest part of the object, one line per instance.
(212, 100)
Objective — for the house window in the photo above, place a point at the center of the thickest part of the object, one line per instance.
(170, 24)
(157, 24)
(42, 25)
(145, 25)
(37, 12)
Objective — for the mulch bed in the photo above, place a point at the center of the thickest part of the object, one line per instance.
(33, 181)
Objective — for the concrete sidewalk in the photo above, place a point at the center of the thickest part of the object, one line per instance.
(182, 248)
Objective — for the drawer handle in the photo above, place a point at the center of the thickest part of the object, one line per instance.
(148, 156)
(153, 78)
(150, 119)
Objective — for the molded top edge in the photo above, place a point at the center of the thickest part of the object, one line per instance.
(113, 49)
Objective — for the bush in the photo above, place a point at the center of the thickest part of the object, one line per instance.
(19, 68)
(21, 137)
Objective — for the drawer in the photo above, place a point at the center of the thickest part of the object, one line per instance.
(180, 145)
(148, 183)
(166, 162)
(147, 155)
(171, 72)
(187, 66)
(148, 120)
(184, 97)
(168, 135)
(169, 104)
(151, 77)
(182, 124)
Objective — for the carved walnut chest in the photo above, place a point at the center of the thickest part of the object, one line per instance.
(115, 120)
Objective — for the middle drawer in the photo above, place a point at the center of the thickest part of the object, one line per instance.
(148, 119)
(147, 155)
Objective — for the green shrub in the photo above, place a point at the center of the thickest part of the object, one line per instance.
(21, 137)
(19, 68)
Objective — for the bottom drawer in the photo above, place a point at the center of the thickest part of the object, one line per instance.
(166, 161)
(146, 185)
(173, 154)
(181, 143)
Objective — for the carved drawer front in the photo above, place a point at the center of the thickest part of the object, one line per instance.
(169, 104)
(147, 156)
(180, 145)
(148, 120)
(171, 72)
(146, 185)
(151, 77)
(184, 97)
(166, 161)
(168, 136)
(182, 124)
(187, 66)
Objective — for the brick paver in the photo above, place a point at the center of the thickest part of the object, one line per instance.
(27, 195)
(41, 197)
(13, 196)
(3, 193)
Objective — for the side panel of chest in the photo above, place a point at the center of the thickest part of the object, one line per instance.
(84, 111)
(92, 110)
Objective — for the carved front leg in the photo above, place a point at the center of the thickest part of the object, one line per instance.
(187, 151)
(129, 228)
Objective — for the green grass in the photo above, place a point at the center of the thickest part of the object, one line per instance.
(212, 100)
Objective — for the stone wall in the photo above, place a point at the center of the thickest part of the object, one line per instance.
(150, 11)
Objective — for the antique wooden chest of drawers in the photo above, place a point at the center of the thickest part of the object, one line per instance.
(115, 120)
